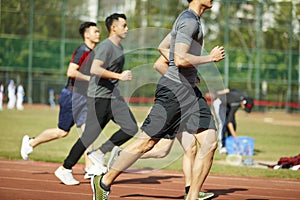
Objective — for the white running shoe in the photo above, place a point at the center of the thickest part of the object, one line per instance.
(87, 175)
(26, 149)
(113, 156)
(94, 170)
(66, 176)
(223, 150)
(97, 158)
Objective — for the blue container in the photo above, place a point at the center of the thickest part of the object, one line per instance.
(243, 145)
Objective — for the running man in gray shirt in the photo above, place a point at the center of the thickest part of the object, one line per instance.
(111, 57)
(179, 105)
(104, 100)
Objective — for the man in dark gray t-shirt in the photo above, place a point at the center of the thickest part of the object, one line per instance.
(104, 101)
(113, 60)
(187, 30)
(181, 49)
(179, 105)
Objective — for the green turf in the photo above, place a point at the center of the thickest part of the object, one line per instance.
(276, 135)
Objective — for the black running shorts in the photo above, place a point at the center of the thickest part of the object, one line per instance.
(178, 107)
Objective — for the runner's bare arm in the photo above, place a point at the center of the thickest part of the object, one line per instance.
(74, 73)
(164, 46)
(98, 70)
(161, 65)
(184, 59)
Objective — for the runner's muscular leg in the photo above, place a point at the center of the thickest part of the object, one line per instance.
(203, 160)
(188, 143)
(160, 150)
(128, 156)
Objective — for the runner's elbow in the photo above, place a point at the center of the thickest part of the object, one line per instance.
(180, 61)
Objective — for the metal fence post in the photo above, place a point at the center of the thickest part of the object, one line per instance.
(30, 52)
(290, 62)
(258, 50)
(63, 39)
(226, 45)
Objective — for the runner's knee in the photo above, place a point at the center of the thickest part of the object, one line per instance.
(191, 151)
(214, 146)
(62, 133)
(147, 146)
(209, 144)
(161, 153)
(212, 141)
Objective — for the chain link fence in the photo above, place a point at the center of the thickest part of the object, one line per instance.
(37, 38)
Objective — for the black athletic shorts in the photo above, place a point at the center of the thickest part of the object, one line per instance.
(177, 108)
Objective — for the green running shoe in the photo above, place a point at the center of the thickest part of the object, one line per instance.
(98, 192)
(203, 195)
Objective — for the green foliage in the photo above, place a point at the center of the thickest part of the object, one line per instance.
(155, 13)
(47, 21)
(266, 29)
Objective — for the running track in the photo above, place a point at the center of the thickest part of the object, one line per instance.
(35, 180)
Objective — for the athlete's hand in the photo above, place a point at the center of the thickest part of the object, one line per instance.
(217, 54)
(126, 75)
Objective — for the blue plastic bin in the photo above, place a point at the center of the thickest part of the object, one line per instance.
(243, 145)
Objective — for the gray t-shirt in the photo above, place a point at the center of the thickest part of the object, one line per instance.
(186, 29)
(113, 59)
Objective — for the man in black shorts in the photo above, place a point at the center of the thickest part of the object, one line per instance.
(104, 101)
(186, 140)
(179, 104)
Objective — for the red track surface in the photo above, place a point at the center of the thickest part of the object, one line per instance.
(35, 180)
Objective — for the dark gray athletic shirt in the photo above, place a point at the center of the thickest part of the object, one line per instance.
(113, 59)
(186, 29)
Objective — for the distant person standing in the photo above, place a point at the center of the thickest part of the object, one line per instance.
(1, 95)
(52, 98)
(20, 97)
(11, 89)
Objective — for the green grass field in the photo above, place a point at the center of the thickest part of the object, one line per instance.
(276, 135)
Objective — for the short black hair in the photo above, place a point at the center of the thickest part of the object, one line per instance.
(189, 1)
(109, 20)
(84, 26)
